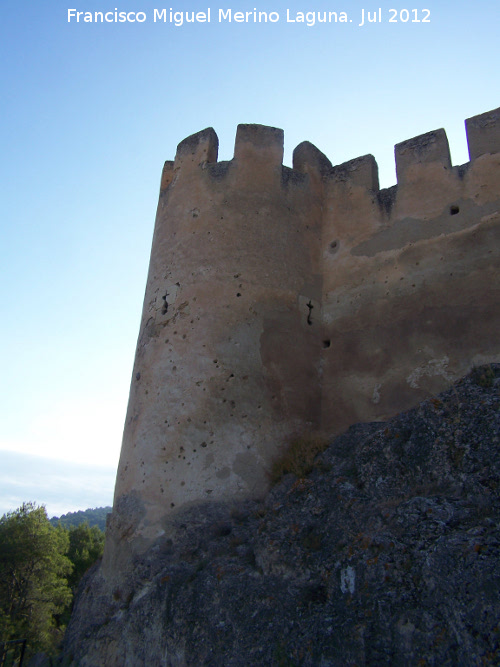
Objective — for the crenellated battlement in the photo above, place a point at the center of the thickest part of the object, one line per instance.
(428, 148)
(262, 144)
(483, 134)
(285, 301)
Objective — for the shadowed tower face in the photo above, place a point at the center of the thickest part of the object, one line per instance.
(284, 301)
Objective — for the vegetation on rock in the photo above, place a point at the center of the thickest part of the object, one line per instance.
(298, 458)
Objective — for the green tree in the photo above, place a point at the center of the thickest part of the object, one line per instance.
(33, 577)
(85, 547)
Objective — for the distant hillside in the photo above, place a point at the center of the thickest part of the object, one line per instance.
(93, 516)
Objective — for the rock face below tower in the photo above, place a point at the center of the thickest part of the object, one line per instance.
(282, 302)
(368, 560)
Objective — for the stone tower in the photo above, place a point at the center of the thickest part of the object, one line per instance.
(282, 302)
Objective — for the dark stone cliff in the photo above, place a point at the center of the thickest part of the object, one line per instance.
(387, 553)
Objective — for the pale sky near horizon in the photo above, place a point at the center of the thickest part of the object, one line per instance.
(89, 113)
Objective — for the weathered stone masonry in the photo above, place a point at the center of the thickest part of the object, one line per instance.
(284, 301)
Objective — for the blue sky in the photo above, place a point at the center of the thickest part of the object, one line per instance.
(90, 111)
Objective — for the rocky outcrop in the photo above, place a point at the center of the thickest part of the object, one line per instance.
(387, 553)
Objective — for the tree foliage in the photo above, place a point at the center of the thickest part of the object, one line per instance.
(33, 577)
(40, 567)
(85, 547)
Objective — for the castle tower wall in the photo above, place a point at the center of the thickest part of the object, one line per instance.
(411, 293)
(284, 301)
(226, 365)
